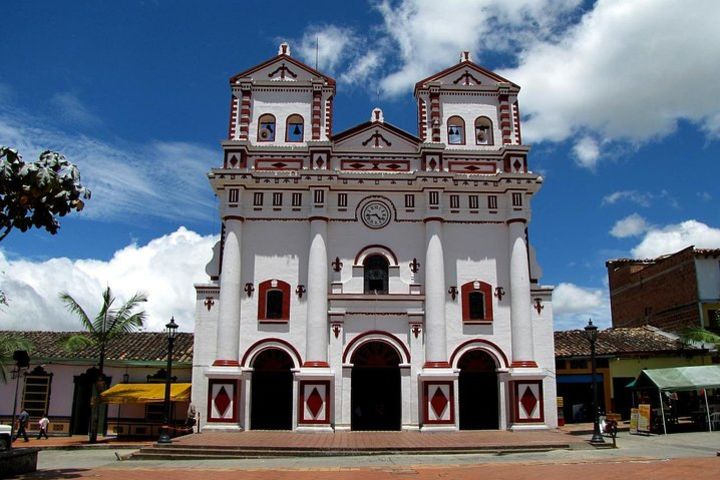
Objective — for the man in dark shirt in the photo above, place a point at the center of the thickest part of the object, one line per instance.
(22, 421)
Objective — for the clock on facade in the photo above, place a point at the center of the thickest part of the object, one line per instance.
(375, 214)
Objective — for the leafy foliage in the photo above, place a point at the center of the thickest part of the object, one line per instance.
(701, 335)
(35, 194)
(8, 344)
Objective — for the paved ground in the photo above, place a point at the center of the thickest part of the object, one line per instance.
(691, 456)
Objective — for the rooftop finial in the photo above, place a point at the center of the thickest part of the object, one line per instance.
(465, 56)
(377, 116)
(284, 49)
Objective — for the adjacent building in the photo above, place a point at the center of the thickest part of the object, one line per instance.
(671, 292)
(373, 279)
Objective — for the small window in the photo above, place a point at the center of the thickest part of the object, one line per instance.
(277, 199)
(473, 201)
(559, 364)
(296, 199)
(483, 131)
(233, 196)
(456, 131)
(410, 201)
(319, 196)
(295, 128)
(434, 198)
(258, 199)
(342, 200)
(376, 274)
(476, 300)
(36, 394)
(476, 304)
(273, 304)
(266, 128)
(517, 199)
(454, 201)
(492, 201)
(578, 364)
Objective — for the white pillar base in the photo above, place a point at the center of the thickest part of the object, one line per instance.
(222, 427)
(536, 426)
(438, 428)
(315, 428)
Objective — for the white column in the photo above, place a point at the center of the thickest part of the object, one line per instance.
(435, 343)
(228, 331)
(521, 321)
(317, 303)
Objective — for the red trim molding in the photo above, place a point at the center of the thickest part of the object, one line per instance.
(302, 400)
(316, 364)
(273, 285)
(479, 341)
(523, 364)
(234, 217)
(426, 401)
(236, 394)
(290, 348)
(377, 245)
(226, 363)
(515, 396)
(436, 365)
(486, 290)
(377, 332)
(516, 220)
(433, 219)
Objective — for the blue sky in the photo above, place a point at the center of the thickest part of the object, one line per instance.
(620, 102)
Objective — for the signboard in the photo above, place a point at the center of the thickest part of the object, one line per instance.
(644, 418)
(633, 420)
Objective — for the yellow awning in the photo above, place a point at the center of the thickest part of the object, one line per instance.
(145, 393)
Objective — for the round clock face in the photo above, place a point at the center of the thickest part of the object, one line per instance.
(375, 214)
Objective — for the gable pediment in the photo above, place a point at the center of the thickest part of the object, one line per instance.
(281, 68)
(465, 74)
(375, 137)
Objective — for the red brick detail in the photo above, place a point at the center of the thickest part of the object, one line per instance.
(233, 117)
(435, 115)
(505, 124)
(486, 290)
(516, 118)
(245, 115)
(516, 396)
(229, 384)
(263, 289)
(662, 292)
(271, 343)
(226, 363)
(328, 117)
(316, 110)
(422, 119)
(480, 341)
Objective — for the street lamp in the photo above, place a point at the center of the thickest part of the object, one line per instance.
(170, 330)
(591, 333)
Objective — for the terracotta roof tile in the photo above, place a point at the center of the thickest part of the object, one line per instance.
(138, 346)
(619, 341)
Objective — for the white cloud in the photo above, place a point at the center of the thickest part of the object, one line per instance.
(671, 238)
(573, 305)
(361, 69)
(73, 110)
(160, 179)
(330, 43)
(165, 269)
(587, 152)
(630, 226)
(623, 71)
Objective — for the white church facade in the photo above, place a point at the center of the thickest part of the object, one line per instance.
(373, 279)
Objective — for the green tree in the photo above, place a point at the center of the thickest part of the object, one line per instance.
(8, 345)
(100, 331)
(35, 194)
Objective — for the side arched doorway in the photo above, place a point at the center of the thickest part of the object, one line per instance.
(478, 386)
(271, 391)
(375, 388)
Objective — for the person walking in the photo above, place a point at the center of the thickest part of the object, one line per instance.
(22, 421)
(43, 424)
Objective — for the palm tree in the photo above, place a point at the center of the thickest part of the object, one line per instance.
(108, 324)
(700, 335)
(8, 345)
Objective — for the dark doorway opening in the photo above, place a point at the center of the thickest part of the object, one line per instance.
(478, 387)
(375, 388)
(272, 386)
(84, 390)
(376, 274)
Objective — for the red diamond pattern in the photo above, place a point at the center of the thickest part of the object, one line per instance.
(439, 401)
(394, 166)
(472, 168)
(357, 165)
(314, 402)
(222, 402)
(528, 401)
(279, 165)
(517, 164)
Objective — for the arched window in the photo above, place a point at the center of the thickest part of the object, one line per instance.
(483, 131)
(274, 301)
(476, 302)
(266, 128)
(456, 131)
(376, 274)
(294, 128)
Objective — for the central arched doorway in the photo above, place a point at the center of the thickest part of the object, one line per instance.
(478, 387)
(375, 388)
(272, 391)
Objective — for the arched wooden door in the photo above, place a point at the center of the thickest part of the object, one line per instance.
(271, 391)
(478, 386)
(375, 388)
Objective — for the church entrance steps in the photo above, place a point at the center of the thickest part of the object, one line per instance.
(266, 444)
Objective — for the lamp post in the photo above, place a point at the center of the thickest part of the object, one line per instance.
(591, 333)
(170, 330)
